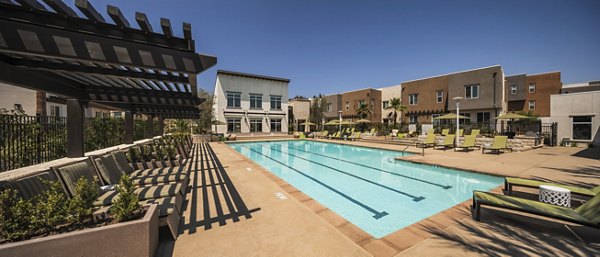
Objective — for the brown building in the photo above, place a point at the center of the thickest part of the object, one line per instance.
(482, 92)
(352, 100)
(532, 92)
(334, 104)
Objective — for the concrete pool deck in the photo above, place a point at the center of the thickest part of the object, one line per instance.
(300, 226)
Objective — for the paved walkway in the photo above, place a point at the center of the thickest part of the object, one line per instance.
(281, 221)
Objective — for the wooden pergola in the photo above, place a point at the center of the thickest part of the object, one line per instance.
(89, 59)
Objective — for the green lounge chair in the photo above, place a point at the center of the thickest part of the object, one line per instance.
(324, 134)
(445, 132)
(475, 132)
(587, 214)
(355, 136)
(302, 136)
(332, 135)
(448, 143)
(401, 135)
(338, 135)
(509, 183)
(461, 132)
(429, 141)
(467, 144)
(498, 145)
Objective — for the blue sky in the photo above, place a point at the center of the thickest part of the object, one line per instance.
(335, 46)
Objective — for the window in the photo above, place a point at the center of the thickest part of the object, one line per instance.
(255, 101)
(55, 111)
(234, 125)
(413, 99)
(255, 125)
(275, 125)
(386, 104)
(483, 117)
(98, 114)
(532, 105)
(347, 106)
(18, 107)
(275, 102)
(439, 96)
(372, 104)
(360, 103)
(329, 107)
(513, 89)
(472, 91)
(412, 119)
(233, 99)
(116, 114)
(582, 127)
(532, 88)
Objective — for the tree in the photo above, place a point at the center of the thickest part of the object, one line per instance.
(397, 107)
(317, 109)
(363, 111)
(206, 111)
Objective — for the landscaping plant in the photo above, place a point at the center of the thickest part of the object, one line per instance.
(126, 207)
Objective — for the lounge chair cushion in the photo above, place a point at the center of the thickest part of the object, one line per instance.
(530, 206)
(158, 179)
(32, 186)
(158, 172)
(166, 205)
(109, 169)
(122, 161)
(591, 210)
(143, 193)
(536, 183)
(71, 173)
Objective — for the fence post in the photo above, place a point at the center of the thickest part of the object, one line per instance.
(75, 122)
(128, 128)
(150, 126)
(38, 140)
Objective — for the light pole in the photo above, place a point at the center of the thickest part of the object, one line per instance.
(340, 113)
(457, 99)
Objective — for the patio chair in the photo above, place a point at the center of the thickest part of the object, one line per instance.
(498, 145)
(448, 143)
(587, 214)
(338, 135)
(111, 173)
(332, 136)
(324, 134)
(461, 132)
(355, 136)
(510, 182)
(475, 132)
(33, 185)
(402, 135)
(468, 143)
(429, 141)
(445, 132)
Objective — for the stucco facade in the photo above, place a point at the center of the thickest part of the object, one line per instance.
(300, 112)
(572, 112)
(334, 104)
(12, 97)
(426, 104)
(240, 114)
(388, 93)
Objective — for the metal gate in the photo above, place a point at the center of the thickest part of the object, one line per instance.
(548, 132)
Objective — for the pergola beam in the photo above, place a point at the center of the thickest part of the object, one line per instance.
(117, 16)
(89, 11)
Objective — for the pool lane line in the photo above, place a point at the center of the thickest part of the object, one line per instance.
(377, 214)
(377, 169)
(414, 198)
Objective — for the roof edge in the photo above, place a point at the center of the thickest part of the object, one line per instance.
(242, 74)
(452, 73)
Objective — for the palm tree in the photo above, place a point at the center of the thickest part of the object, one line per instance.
(363, 111)
(397, 107)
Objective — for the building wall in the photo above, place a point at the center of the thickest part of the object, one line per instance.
(300, 111)
(336, 105)
(427, 103)
(485, 101)
(565, 106)
(520, 82)
(246, 85)
(372, 98)
(546, 84)
(387, 93)
(11, 95)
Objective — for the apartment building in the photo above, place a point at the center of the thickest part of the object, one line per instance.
(577, 112)
(333, 106)
(250, 103)
(531, 93)
(388, 93)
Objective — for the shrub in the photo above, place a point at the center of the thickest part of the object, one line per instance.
(133, 155)
(82, 204)
(146, 153)
(15, 216)
(50, 208)
(126, 207)
(171, 153)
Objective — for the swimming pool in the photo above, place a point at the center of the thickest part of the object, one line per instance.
(366, 186)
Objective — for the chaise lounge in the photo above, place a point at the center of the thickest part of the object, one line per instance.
(509, 183)
(499, 144)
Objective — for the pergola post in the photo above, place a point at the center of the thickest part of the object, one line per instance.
(75, 122)
(129, 128)
(150, 126)
(161, 125)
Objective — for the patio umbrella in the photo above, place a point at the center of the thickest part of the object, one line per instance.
(307, 123)
(363, 121)
(332, 122)
(347, 122)
(450, 116)
(511, 116)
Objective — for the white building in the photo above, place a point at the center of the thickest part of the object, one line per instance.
(577, 113)
(251, 104)
(388, 93)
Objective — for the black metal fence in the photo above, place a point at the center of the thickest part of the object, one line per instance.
(543, 131)
(28, 140)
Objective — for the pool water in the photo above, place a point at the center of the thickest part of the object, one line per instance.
(367, 186)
